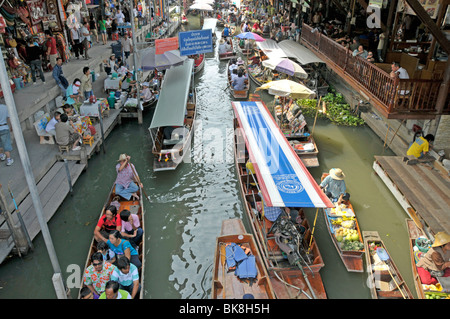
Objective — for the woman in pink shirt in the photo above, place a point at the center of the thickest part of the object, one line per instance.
(131, 228)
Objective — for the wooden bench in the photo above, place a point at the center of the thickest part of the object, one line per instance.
(39, 125)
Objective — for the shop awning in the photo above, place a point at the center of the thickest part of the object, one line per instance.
(298, 52)
(271, 49)
(283, 179)
(171, 107)
(210, 23)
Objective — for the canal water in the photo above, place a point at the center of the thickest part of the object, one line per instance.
(187, 206)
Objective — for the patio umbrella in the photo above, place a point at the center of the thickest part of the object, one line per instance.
(210, 2)
(202, 6)
(287, 88)
(150, 60)
(286, 66)
(250, 36)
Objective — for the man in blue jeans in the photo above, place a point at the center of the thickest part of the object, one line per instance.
(59, 76)
(5, 137)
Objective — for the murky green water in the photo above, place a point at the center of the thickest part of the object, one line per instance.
(187, 205)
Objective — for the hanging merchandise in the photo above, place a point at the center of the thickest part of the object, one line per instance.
(36, 10)
(2, 24)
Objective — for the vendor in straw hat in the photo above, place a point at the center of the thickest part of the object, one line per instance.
(334, 186)
(127, 179)
(436, 262)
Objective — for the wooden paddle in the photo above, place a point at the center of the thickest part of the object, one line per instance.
(223, 260)
(139, 180)
(385, 258)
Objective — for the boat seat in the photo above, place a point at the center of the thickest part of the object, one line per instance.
(171, 141)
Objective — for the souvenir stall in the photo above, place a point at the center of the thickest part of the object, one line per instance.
(21, 20)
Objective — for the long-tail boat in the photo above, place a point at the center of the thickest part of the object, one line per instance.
(273, 178)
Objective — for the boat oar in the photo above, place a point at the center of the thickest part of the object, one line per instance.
(223, 259)
(139, 181)
(22, 223)
(381, 252)
(312, 233)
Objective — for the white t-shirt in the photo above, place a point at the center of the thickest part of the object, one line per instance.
(51, 125)
(402, 73)
(120, 17)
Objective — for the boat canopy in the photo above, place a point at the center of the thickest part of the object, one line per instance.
(271, 49)
(210, 23)
(283, 179)
(171, 107)
(298, 52)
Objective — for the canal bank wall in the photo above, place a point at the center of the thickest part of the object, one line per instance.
(49, 169)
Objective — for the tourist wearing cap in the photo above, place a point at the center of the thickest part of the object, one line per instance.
(334, 186)
(126, 183)
(436, 262)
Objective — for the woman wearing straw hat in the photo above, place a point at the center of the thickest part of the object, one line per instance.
(126, 181)
(436, 262)
(334, 186)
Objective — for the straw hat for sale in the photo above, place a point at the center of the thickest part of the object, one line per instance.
(441, 239)
(336, 173)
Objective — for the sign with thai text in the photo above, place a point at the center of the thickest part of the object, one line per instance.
(195, 42)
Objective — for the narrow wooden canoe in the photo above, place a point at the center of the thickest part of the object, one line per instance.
(288, 281)
(237, 94)
(135, 207)
(352, 259)
(226, 285)
(415, 232)
(228, 55)
(383, 276)
(199, 63)
(299, 136)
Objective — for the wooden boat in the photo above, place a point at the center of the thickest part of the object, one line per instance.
(199, 63)
(352, 259)
(135, 207)
(226, 285)
(289, 278)
(237, 94)
(174, 115)
(386, 282)
(294, 127)
(229, 54)
(414, 233)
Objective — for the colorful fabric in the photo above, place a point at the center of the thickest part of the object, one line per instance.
(98, 279)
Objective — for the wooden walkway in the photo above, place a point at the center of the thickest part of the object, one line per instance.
(53, 187)
(423, 190)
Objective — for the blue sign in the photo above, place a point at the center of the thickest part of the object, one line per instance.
(195, 42)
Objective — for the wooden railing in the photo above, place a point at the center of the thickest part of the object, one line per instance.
(393, 95)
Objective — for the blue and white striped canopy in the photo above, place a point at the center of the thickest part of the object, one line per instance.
(282, 177)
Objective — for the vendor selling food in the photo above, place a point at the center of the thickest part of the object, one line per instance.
(436, 262)
(334, 186)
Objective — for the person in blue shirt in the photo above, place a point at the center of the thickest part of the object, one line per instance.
(59, 76)
(123, 247)
(226, 31)
(334, 186)
(127, 275)
(73, 92)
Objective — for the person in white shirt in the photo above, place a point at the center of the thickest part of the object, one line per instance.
(50, 128)
(76, 43)
(120, 17)
(400, 73)
(127, 46)
(85, 39)
(146, 93)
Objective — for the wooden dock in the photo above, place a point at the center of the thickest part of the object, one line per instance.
(423, 190)
(53, 187)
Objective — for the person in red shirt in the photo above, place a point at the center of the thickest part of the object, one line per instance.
(109, 222)
(52, 52)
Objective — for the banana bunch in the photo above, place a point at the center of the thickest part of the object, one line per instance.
(336, 221)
